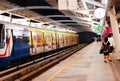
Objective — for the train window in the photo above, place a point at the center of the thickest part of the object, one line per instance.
(2, 36)
(25, 38)
(22, 36)
(19, 38)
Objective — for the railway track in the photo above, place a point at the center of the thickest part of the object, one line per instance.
(28, 71)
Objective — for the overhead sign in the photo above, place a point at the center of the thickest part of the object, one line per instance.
(97, 27)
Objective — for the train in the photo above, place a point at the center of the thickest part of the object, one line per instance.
(19, 41)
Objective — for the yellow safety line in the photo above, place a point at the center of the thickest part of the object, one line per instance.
(61, 69)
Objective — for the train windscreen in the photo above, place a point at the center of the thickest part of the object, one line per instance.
(2, 36)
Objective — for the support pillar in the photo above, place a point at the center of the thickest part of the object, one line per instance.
(115, 30)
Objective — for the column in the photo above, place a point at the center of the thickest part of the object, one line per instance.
(115, 30)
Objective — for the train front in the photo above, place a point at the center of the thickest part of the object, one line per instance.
(6, 43)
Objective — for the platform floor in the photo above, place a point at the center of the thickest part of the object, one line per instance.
(85, 65)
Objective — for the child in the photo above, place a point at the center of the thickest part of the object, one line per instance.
(106, 47)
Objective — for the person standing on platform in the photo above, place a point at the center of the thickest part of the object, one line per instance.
(110, 39)
(106, 47)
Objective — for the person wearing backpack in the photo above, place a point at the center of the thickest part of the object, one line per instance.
(106, 48)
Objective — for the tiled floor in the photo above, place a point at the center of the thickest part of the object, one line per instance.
(85, 65)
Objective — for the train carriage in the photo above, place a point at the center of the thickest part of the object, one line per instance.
(18, 42)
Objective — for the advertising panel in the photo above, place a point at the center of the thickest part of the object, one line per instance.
(48, 40)
(40, 42)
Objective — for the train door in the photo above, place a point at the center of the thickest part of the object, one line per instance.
(66, 40)
(54, 41)
(33, 48)
(57, 40)
(63, 40)
(60, 40)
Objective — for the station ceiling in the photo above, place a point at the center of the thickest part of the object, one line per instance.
(52, 13)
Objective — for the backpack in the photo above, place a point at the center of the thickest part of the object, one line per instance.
(105, 47)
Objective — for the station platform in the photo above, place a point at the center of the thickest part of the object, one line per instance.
(85, 65)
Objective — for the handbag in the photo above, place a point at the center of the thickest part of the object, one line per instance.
(101, 50)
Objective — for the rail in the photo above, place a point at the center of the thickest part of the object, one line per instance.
(37, 67)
